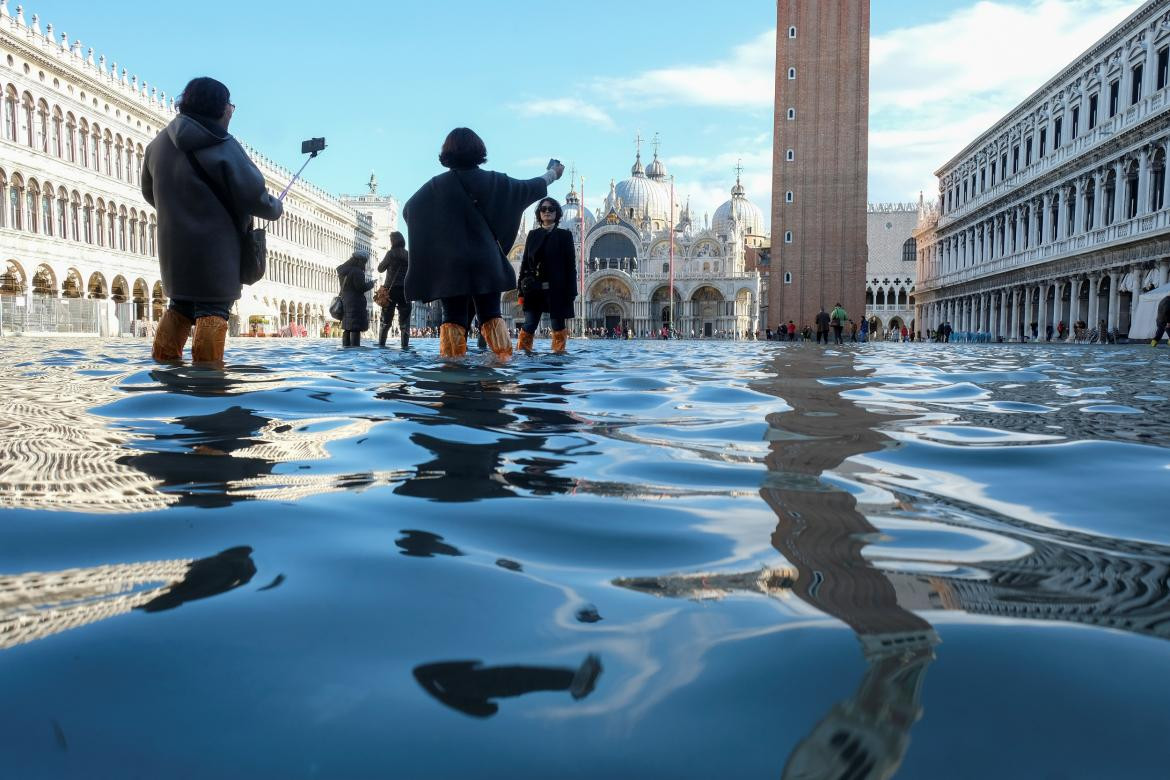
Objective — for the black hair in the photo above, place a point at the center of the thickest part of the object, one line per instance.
(204, 96)
(462, 149)
(556, 206)
(397, 239)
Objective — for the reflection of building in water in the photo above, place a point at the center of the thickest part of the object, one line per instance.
(35, 605)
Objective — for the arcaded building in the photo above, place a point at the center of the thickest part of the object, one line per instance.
(1059, 212)
(819, 158)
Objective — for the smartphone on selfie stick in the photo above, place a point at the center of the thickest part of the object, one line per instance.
(310, 147)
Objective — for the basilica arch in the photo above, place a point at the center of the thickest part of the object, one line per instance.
(14, 280)
(614, 246)
(44, 282)
(73, 285)
(610, 300)
(97, 286)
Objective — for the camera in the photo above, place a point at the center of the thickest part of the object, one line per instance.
(312, 146)
(553, 163)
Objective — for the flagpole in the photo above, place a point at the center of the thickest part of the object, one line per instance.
(581, 259)
(670, 292)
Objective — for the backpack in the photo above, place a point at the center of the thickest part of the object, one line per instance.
(337, 308)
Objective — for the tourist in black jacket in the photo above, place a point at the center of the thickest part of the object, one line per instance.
(395, 264)
(456, 221)
(548, 276)
(351, 277)
(198, 239)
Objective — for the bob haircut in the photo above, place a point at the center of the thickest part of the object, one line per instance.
(397, 240)
(556, 206)
(462, 149)
(204, 96)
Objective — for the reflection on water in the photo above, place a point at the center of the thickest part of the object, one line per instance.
(790, 561)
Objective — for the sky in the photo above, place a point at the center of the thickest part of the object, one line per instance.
(385, 82)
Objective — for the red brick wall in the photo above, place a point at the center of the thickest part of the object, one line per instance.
(828, 177)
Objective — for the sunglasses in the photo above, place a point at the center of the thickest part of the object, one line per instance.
(549, 209)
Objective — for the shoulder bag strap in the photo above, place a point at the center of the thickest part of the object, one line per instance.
(215, 188)
(475, 203)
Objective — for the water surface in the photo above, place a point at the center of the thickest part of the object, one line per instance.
(684, 559)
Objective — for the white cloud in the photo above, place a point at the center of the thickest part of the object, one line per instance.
(744, 80)
(935, 87)
(569, 107)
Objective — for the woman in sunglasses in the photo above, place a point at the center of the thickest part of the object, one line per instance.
(548, 276)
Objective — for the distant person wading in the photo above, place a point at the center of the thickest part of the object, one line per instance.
(353, 284)
(456, 221)
(206, 191)
(395, 264)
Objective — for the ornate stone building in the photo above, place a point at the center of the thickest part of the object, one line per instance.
(819, 158)
(74, 225)
(628, 252)
(1060, 212)
(891, 267)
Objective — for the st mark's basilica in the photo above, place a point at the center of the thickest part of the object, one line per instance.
(628, 250)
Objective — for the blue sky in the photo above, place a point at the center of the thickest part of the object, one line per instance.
(385, 82)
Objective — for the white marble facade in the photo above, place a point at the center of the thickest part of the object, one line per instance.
(74, 223)
(1060, 212)
(891, 265)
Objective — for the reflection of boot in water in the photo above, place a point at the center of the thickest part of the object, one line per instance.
(423, 544)
(208, 577)
(468, 687)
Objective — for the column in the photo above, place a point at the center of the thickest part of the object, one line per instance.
(1042, 316)
(1057, 316)
(1060, 206)
(1079, 219)
(1144, 172)
(1166, 177)
(1045, 230)
(1094, 291)
(1138, 273)
(1032, 223)
(1114, 299)
(1001, 330)
(1118, 192)
(1163, 272)
(1099, 196)
(1027, 313)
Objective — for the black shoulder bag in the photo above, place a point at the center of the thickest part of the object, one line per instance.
(253, 242)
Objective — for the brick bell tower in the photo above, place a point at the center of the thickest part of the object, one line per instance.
(820, 159)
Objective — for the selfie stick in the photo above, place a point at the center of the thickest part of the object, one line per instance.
(313, 146)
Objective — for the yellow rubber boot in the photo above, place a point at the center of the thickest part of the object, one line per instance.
(559, 340)
(495, 332)
(524, 341)
(207, 344)
(452, 340)
(170, 337)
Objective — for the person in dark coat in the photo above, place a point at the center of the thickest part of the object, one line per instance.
(822, 321)
(456, 222)
(395, 264)
(198, 240)
(550, 261)
(351, 277)
(1163, 321)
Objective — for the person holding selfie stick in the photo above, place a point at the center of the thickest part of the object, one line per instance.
(395, 263)
(548, 276)
(206, 191)
(456, 222)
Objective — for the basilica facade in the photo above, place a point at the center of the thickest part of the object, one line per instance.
(643, 238)
(76, 233)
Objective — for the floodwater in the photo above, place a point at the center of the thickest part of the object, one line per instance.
(643, 559)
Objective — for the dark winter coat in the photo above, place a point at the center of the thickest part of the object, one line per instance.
(1164, 311)
(198, 242)
(452, 250)
(551, 256)
(351, 276)
(823, 321)
(395, 264)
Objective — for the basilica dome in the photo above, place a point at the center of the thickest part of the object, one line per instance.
(572, 212)
(643, 197)
(746, 214)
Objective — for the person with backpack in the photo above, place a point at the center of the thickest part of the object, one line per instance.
(351, 277)
(395, 264)
(206, 191)
(548, 277)
(838, 318)
(456, 222)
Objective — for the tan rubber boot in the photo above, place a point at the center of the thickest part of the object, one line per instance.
(207, 345)
(524, 341)
(496, 334)
(559, 340)
(452, 340)
(170, 337)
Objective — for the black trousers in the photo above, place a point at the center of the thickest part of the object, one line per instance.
(836, 335)
(460, 308)
(351, 338)
(822, 335)
(404, 308)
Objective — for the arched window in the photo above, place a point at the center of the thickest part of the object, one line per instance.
(153, 225)
(10, 101)
(47, 210)
(787, 236)
(111, 222)
(133, 230)
(83, 143)
(87, 220)
(62, 208)
(117, 156)
(792, 113)
(790, 155)
(27, 112)
(3, 198)
(75, 216)
(122, 229)
(32, 203)
(95, 142)
(142, 234)
(792, 74)
(909, 251)
(43, 126)
(100, 222)
(789, 197)
(792, 32)
(108, 143)
(15, 209)
(787, 277)
(55, 140)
